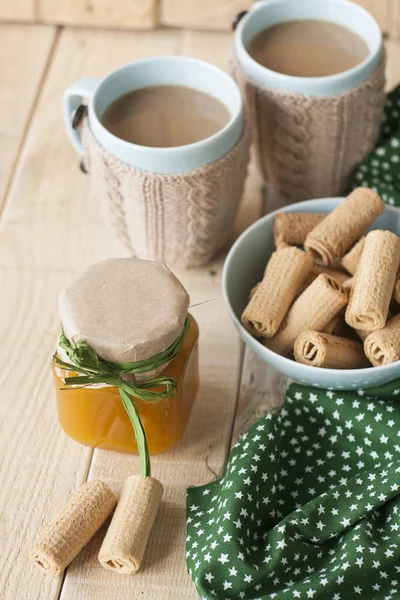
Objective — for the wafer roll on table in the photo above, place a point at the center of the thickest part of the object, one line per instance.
(313, 310)
(352, 258)
(126, 539)
(293, 227)
(382, 347)
(329, 351)
(374, 281)
(61, 541)
(286, 270)
(341, 228)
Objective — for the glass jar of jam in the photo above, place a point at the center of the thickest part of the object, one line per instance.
(127, 313)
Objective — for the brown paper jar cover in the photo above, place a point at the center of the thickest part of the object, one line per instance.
(128, 310)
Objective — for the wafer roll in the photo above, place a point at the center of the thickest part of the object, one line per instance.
(374, 281)
(340, 229)
(125, 543)
(397, 291)
(313, 310)
(352, 258)
(382, 347)
(348, 284)
(60, 542)
(286, 271)
(335, 325)
(317, 270)
(329, 351)
(293, 228)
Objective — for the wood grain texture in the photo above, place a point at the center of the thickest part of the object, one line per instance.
(51, 194)
(23, 57)
(51, 228)
(207, 14)
(40, 466)
(218, 14)
(17, 10)
(378, 9)
(394, 19)
(393, 63)
(124, 14)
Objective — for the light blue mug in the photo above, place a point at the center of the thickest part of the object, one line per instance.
(166, 70)
(267, 13)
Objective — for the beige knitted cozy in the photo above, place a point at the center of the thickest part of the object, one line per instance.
(181, 219)
(307, 147)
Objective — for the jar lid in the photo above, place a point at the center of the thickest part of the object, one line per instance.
(126, 309)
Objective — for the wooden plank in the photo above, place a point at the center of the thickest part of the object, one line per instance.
(378, 9)
(24, 51)
(51, 227)
(393, 63)
(203, 451)
(17, 10)
(394, 19)
(262, 390)
(207, 14)
(218, 14)
(40, 466)
(51, 194)
(124, 14)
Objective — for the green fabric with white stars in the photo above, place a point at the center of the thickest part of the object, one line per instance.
(309, 506)
(381, 169)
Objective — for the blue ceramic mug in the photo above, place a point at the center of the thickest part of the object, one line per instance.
(166, 70)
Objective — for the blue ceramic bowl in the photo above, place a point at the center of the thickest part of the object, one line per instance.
(244, 267)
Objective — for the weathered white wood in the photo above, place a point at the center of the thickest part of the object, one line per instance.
(124, 14)
(51, 194)
(23, 57)
(394, 19)
(261, 391)
(51, 228)
(17, 10)
(40, 466)
(393, 62)
(218, 14)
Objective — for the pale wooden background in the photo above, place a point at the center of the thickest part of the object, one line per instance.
(49, 229)
(148, 14)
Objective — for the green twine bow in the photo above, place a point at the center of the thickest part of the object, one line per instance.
(94, 369)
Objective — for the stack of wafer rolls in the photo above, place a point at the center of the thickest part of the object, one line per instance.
(329, 351)
(337, 313)
(313, 310)
(61, 541)
(285, 272)
(344, 226)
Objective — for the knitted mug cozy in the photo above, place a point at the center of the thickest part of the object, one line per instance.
(307, 146)
(181, 219)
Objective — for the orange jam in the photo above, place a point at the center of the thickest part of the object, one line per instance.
(95, 416)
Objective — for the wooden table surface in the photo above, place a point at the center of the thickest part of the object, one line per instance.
(50, 228)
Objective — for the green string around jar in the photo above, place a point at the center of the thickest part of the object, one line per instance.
(93, 370)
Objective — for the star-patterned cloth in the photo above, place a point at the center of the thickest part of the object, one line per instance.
(309, 506)
(381, 169)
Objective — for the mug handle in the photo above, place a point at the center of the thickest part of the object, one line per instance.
(83, 88)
